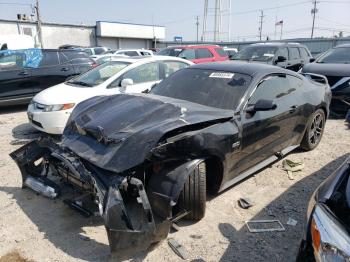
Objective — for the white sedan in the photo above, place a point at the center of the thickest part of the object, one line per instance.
(50, 109)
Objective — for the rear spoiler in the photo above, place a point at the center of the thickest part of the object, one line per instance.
(316, 78)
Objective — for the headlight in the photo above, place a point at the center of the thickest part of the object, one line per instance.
(50, 108)
(330, 239)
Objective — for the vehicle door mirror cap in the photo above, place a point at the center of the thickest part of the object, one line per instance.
(312, 60)
(262, 105)
(281, 58)
(126, 82)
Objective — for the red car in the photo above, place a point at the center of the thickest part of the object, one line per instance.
(197, 53)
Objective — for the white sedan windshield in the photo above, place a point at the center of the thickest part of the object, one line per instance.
(99, 74)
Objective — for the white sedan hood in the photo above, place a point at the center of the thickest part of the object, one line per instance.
(64, 94)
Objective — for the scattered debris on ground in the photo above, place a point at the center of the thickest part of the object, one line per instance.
(291, 167)
(258, 226)
(292, 222)
(177, 248)
(245, 203)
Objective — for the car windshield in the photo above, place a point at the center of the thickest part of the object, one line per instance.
(212, 88)
(170, 51)
(99, 74)
(340, 55)
(256, 53)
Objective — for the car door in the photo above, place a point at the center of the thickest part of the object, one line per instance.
(294, 62)
(264, 133)
(188, 54)
(50, 72)
(204, 55)
(143, 77)
(305, 56)
(15, 77)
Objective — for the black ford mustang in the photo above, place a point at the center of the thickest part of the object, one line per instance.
(147, 159)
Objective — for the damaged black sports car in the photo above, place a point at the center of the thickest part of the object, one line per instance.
(145, 160)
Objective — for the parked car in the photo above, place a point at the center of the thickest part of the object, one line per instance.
(287, 55)
(23, 73)
(327, 235)
(98, 50)
(50, 109)
(134, 52)
(231, 52)
(335, 65)
(148, 159)
(196, 53)
(100, 59)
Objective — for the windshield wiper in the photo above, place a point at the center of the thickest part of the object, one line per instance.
(80, 83)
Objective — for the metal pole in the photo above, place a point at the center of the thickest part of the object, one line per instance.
(261, 23)
(281, 31)
(229, 21)
(39, 24)
(205, 19)
(313, 11)
(197, 25)
(216, 19)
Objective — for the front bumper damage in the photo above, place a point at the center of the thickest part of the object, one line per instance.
(131, 220)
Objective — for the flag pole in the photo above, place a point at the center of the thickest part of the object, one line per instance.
(281, 31)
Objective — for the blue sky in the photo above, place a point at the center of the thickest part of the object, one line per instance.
(179, 16)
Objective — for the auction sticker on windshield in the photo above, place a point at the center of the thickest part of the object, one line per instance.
(221, 75)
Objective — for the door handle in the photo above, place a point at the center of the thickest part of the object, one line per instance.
(293, 109)
(64, 69)
(23, 73)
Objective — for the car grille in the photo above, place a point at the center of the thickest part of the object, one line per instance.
(333, 79)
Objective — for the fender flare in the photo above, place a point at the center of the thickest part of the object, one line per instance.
(164, 188)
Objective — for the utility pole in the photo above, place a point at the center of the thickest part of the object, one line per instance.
(38, 19)
(197, 25)
(229, 20)
(205, 20)
(313, 12)
(261, 23)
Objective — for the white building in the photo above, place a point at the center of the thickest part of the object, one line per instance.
(111, 34)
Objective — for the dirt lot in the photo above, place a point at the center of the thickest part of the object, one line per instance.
(46, 230)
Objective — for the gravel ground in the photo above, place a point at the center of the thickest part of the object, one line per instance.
(46, 230)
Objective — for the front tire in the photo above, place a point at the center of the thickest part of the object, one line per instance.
(314, 131)
(193, 196)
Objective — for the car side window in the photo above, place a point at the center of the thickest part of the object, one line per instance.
(99, 50)
(129, 53)
(283, 51)
(294, 83)
(304, 54)
(203, 53)
(49, 59)
(271, 88)
(144, 73)
(221, 52)
(294, 53)
(188, 54)
(173, 66)
(144, 53)
(11, 61)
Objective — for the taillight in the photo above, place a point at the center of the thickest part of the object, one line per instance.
(94, 65)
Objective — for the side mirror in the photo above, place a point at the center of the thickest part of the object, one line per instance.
(280, 59)
(126, 82)
(262, 105)
(312, 60)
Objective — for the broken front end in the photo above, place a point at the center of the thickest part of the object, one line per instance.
(137, 208)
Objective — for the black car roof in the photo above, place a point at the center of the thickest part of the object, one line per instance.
(243, 68)
(278, 44)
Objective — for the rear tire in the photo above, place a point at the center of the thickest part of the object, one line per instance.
(193, 196)
(314, 131)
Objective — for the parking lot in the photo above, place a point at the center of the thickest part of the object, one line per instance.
(47, 230)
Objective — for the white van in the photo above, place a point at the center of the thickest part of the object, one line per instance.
(14, 42)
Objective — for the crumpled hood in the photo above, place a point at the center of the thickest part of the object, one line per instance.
(327, 69)
(118, 132)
